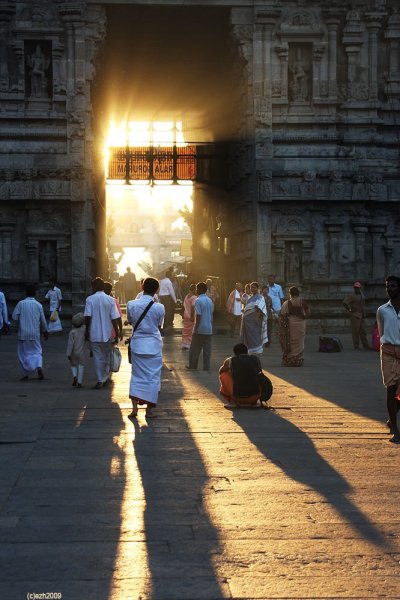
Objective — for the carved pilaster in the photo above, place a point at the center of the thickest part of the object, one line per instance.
(333, 22)
(360, 228)
(374, 21)
(378, 257)
(352, 40)
(318, 81)
(283, 54)
(392, 34)
(18, 49)
(334, 228)
(6, 14)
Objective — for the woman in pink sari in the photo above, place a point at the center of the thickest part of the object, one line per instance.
(189, 317)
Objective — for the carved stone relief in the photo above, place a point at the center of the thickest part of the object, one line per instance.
(300, 73)
(38, 77)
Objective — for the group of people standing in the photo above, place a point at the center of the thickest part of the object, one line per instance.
(100, 326)
(254, 312)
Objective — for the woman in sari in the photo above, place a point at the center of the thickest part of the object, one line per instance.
(189, 317)
(253, 331)
(292, 329)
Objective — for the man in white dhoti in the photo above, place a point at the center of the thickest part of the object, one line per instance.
(146, 318)
(101, 315)
(31, 321)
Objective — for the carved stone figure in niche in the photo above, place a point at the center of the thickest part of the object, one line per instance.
(292, 263)
(300, 72)
(38, 69)
(47, 260)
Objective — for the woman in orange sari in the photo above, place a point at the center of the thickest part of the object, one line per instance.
(292, 329)
(188, 317)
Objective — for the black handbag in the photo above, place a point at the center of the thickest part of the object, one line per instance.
(265, 386)
(140, 319)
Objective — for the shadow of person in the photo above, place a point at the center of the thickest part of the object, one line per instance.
(181, 539)
(295, 454)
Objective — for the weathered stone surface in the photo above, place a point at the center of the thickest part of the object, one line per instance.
(299, 501)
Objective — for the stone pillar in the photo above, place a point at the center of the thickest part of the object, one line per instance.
(262, 65)
(392, 34)
(18, 49)
(334, 229)
(279, 270)
(332, 23)
(6, 235)
(32, 268)
(318, 52)
(80, 272)
(6, 14)
(360, 229)
(283, 54)
(306, 259)
(378, 258)
(57, 80)
(374, 21)
(352, 40)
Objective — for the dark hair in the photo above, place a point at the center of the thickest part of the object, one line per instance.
(294, 291)
(52, 280)
(150, 286)
(98, 284)
(108, 287)
(192, 287)
(255, 283)
(201, 287)
(240, 349)
(393, 278)
(30, 290)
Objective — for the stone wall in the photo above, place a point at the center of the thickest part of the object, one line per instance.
(47, 56)
(313, 185)
(315, 170)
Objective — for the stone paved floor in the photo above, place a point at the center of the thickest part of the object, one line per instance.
(300, 501)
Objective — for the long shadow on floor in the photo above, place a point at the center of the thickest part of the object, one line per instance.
(348, 379)
(174, 479)
(298, 458)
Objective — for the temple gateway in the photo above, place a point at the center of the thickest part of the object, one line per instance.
(294, 108)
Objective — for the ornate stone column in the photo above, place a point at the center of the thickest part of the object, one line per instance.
(332, 21)
(378, 257)
(360, 228)
(334, 228)
(318, 52)
(18, 49)
(392, 34)
(6, 14)
(374, 22)
(32, 268)
(283, 54)
(58, 84)
(279, 248)
(352, 40)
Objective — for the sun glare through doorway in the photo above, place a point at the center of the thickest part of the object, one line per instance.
(149, 187)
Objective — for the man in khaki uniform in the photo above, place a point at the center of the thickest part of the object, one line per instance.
(354, 303)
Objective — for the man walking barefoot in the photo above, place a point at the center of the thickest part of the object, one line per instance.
(31, 321)
(388, 319)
